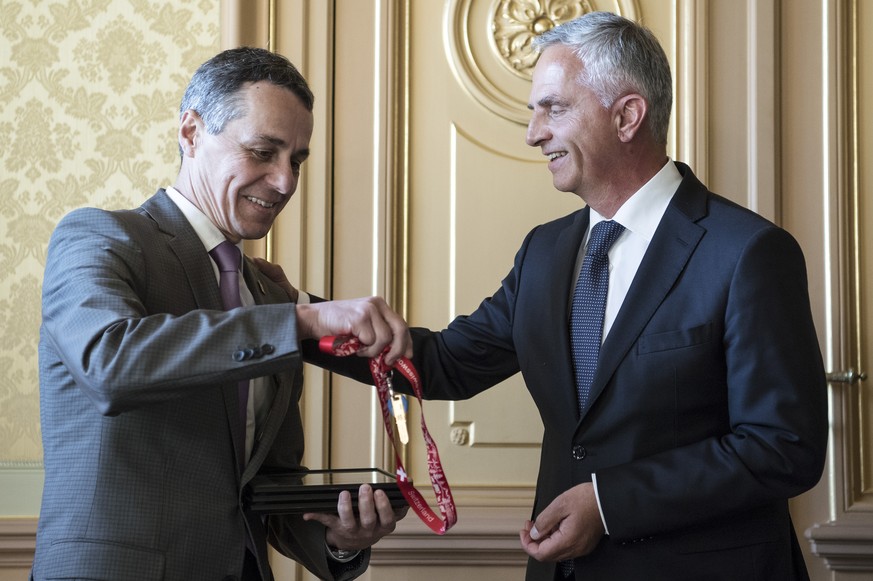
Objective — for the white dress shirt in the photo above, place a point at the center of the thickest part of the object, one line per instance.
(640, 216)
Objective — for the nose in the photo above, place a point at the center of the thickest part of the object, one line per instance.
(536, 132)
(284, 177)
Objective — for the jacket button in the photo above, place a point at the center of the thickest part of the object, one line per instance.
(267, 349)
(578, 452)
(239, 355)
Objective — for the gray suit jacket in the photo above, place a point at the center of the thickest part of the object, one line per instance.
(138, 399)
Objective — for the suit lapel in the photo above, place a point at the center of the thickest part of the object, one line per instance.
(264, 291)
(188, 248)
(674, 242)
(252, 277)
(563, 267)
(197, 265)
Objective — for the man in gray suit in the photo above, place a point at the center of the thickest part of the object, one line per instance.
(147, 446)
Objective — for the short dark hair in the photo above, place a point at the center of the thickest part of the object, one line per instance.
(214, 90)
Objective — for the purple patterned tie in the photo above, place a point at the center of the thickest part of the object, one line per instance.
(228, 258)
(589, 305)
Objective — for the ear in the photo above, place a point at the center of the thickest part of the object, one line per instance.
(190, 131)
(629, 112)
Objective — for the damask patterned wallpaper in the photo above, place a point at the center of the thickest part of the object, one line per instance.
(89, 97)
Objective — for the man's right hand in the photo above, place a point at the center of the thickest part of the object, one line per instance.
(370, 319)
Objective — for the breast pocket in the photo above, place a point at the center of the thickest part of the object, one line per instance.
(678, 339)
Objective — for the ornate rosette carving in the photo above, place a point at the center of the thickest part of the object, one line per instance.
(489, 45)
(517, 22)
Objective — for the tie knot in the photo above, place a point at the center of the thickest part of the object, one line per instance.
(227, 256)
(603, 236)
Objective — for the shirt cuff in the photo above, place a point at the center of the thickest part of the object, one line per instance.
(341, 555)
(599, 508)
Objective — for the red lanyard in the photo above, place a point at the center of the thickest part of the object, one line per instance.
(342, 346)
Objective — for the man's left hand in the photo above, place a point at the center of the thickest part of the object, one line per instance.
(375, 519)
(569, 527)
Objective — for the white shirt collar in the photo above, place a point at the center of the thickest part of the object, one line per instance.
(642, 212)
(208, 232)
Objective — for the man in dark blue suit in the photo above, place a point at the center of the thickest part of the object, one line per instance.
(707, 407)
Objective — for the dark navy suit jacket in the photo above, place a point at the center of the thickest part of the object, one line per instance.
(708, 409)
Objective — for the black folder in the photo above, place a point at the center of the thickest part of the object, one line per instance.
(316, 490)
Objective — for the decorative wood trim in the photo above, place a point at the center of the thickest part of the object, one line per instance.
(17, 542)
(690, 91)
(397, 243)
(858, 487)
(485, 536)
(845, 543)
(246, 23)
(843, 546)
(763, 112)
(841, 87)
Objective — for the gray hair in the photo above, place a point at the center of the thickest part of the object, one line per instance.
(619, 56)
(214, 91)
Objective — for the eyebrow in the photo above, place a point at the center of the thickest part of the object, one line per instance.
(547, 102)
(300, 153)
(269, 139)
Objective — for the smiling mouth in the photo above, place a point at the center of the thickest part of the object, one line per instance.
(556, 155)
(261, 203)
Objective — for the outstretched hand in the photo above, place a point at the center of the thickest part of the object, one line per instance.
(370, 319)
(375, 519)
(569, 527)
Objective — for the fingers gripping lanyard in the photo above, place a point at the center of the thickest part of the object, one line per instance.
(342, 346)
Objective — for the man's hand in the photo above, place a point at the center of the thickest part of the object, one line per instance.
(569, 527)
(376, 518)
(370, 319)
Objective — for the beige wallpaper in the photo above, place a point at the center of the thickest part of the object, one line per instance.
(89, 93)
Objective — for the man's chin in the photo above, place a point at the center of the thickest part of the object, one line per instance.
(561, 186)
(257, 226)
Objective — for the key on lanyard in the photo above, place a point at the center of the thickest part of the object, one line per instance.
(398, 405)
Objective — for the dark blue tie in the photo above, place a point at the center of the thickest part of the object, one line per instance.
(586, 317)
(589, 305)
(228, 258)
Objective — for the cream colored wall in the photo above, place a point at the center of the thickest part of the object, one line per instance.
(761, 91)
(87, 116)
(89, 96)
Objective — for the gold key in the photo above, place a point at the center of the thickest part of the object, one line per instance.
(398, 407)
